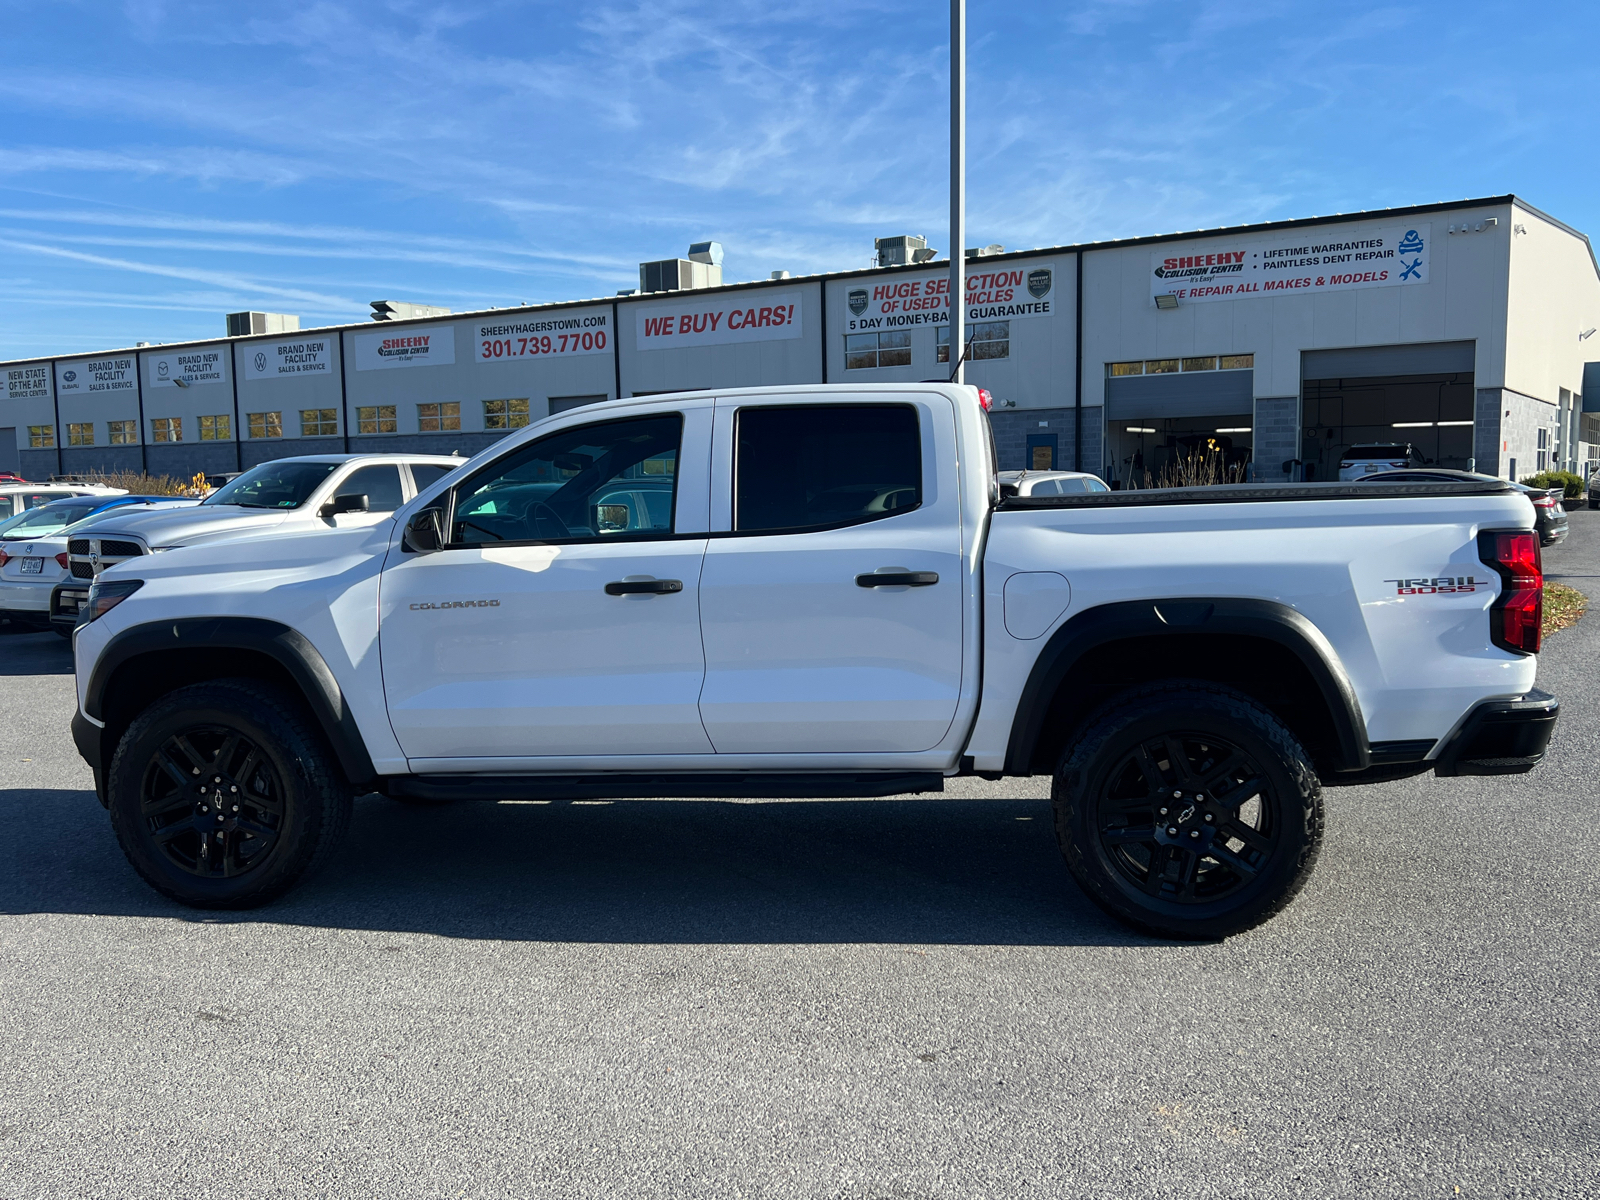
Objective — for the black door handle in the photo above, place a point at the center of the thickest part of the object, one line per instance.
(649, 587)
(898, 579)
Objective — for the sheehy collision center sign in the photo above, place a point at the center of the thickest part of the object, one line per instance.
(1296, 260)
(757, 316)
(406, 346)
(1003, 294)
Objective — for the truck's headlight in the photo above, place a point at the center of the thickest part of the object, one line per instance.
(103, 597)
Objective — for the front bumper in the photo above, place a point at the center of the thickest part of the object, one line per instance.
(1500, 737)
(66, 602)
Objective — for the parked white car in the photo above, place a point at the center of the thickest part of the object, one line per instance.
(1379, 456)
(319, 491)
(33, 549)
(1050, 483)
(17, 498)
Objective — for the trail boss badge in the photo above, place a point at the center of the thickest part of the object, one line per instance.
(1431, 587)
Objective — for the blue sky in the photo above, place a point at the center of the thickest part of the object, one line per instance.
(162, 163)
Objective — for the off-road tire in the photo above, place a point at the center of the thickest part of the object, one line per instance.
(1289, 794)
(314, 799)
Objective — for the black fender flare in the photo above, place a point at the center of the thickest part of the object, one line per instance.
(289, 648)
(1186, 617)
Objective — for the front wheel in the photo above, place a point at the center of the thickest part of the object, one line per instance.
(223, 794)
(1188, 810)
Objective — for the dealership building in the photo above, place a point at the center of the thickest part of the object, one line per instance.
(1466, 329)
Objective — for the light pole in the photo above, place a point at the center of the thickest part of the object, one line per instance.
(958, 188)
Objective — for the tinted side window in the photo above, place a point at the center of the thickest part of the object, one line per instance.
(814, 465)
(380, 483)
(425, 475)
(614, 479)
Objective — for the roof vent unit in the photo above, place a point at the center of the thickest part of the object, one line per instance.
(985, 251)
(779, 275)
(243, 324)
(902, 250)
(402, 310)
(702, 269)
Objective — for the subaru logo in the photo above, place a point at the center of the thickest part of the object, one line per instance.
(69, 376)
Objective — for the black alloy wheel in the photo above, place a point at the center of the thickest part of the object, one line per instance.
(1188, 810)
(224, 794)
(212, 802)
(1182, 816)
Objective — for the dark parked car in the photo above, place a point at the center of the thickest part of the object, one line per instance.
(1550, 518)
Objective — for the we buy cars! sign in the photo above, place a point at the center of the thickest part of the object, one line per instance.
(998, 295)
(1298, 260)
(719, 320)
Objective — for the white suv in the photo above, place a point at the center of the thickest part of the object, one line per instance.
(315, 491)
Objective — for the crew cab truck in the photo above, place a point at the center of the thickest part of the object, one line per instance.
(818, 591)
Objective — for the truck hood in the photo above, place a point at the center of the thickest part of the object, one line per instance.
(260, 562)
(163, 529)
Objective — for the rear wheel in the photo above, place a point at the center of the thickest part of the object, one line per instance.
(223, 795)
(1188, 810)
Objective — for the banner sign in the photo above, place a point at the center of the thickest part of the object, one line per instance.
(541, 336)
(410, 346)
(284, 360)
(721, 320)
(97, 375)
(1296, 260)
(28, 383)
(998, 295)
(191, 366)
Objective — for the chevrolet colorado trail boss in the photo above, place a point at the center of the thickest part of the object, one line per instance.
(819, 591)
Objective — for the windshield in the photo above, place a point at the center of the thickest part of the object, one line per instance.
(273, 485)
(42, 522)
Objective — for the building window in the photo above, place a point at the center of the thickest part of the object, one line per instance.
(1238, 362)
(1161, 366)
(80, 434)
(1171, 366)
(1208, 363)
(376, 418)
(166, 429)
(216, 429)
(437, 418)
(123, 433)
(990, 339)
(1132, 368)
(319, 422)
(264, 425)
(889, 349)
(42, 437)
(505, 414)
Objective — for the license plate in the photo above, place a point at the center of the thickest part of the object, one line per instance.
(33, 566)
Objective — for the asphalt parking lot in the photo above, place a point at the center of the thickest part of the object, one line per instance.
(868, 1000)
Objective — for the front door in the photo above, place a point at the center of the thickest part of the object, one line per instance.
(807, 652)
(562, 617)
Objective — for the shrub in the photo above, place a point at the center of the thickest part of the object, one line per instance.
(139, 484)
(1562, 479)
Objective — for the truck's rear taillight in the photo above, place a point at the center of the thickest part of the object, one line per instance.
(985, 400)
(1516, 614)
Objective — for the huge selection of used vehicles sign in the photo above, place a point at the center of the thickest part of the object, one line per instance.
(999, 294)
(1294, 261)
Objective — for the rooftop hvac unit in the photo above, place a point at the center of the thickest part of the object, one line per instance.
(401, 310)
(899, 251)
(679, 275)
(243, 324)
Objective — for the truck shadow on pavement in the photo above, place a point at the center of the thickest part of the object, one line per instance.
(915, 871)
(25, 651)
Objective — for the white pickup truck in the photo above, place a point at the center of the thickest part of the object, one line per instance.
(818, 591)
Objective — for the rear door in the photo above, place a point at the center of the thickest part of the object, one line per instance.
(831, 600)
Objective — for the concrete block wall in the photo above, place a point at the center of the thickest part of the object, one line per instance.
(1517, 420)
(1012, 428)
(1275, 436)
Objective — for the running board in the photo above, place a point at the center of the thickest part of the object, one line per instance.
(722, 785)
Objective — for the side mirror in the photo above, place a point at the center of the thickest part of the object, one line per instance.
(424, 532)
(353, 502)
(609, 518)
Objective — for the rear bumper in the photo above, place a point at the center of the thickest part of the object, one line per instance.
(66, 601)
(1500, 737)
